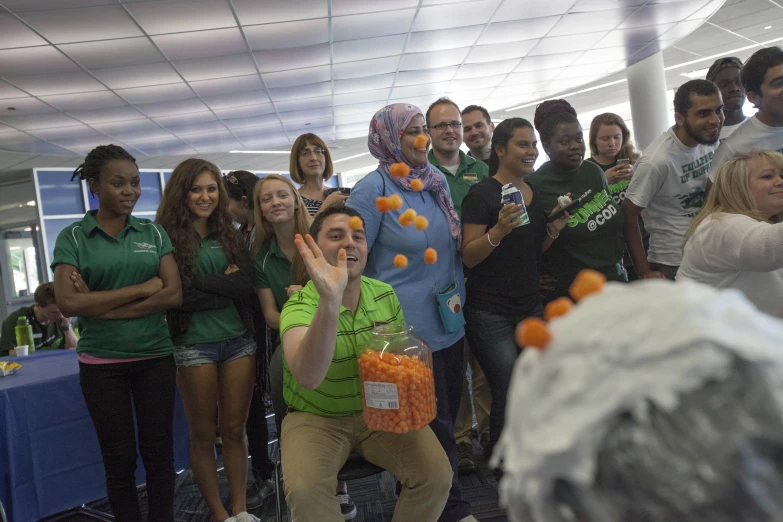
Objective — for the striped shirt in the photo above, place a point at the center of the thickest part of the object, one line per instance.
(340, 392)
(312, 205)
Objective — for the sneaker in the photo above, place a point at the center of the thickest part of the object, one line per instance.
(243, 517)
(466, 462)
(258, 491)
(469, 518)
(347, 506)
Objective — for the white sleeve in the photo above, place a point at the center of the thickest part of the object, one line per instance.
(723, 153)
(737, 242)
(646, 181)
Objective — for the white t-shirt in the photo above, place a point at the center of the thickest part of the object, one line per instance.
(668, 183)
(751, 134)
(728, 130)
(736, 251)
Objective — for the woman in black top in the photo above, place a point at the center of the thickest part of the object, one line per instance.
(503, 285)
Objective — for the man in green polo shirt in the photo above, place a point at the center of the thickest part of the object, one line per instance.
(51, 330)
(324, 328)
(462, 171)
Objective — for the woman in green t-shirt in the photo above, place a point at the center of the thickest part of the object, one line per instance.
(213, 331)
(593, 236)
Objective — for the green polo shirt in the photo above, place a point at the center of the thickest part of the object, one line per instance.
(469, 172)
(212, 326)
(340, 393)
(106, 263)
(273, 270)
(46, 336)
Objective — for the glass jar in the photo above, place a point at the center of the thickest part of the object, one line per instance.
(398, 389)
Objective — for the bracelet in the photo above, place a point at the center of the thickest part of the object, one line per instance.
(490, 241)
(550, 235)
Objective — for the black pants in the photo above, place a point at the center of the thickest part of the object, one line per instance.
(112, 392)
(258, 435)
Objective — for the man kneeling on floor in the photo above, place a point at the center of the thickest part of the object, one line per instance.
(324, 328)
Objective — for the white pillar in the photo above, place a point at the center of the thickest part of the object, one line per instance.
(647, 94)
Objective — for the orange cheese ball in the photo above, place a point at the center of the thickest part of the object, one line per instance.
(416, 185)
(430, 256)
(409, 214)
(355, 223)
(399, 170)
(421, 141)
(382, 204)
(558, 307)
(586, 282)
(404, 220)
(400, 261)
(533, 332)
(395, 202)
(420, 223)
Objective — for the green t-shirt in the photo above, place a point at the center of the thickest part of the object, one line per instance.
(212, 325)
(273, 270)
(47, 337)
(340, 393)
(469, 172)
(593, 237)
(106, 263)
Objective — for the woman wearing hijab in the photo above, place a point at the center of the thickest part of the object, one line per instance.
(431, 295)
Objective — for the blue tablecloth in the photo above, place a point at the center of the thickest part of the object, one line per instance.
(50, 460)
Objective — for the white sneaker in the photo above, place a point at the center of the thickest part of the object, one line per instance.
(469, 518)
(243, 517)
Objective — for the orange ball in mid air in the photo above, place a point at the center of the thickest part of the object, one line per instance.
(558, 307)
(400, 261)
(533, 332)
(416, 185)
(399, 170)
(382, 204)
(355, 223)
(430, 256)
(421, 141)
(420, 222)
(407, 217)
(395, 202)
(586, 282)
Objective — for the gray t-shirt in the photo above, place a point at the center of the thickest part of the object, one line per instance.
(751, 134)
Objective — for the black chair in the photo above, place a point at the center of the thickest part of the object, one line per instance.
(354, 468)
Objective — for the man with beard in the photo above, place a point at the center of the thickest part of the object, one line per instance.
(725, 73)
(667, 188)
(477, 129)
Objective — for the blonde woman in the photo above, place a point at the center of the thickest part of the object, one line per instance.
(310, 166)
(736, 240)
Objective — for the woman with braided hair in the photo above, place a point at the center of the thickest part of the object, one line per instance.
(117, 273)
(593, 236)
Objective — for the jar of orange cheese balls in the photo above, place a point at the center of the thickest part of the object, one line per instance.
(398, 390)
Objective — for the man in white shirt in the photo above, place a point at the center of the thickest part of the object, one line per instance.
(667, 188)
(762, 77)
(725, 73)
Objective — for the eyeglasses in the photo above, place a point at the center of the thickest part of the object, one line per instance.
(444, 124)
(307, 152)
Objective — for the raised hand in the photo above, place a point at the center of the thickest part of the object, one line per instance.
(329, 280)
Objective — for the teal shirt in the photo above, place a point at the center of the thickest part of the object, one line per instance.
(469, 172)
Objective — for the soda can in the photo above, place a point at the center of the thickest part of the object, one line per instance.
(511, 194)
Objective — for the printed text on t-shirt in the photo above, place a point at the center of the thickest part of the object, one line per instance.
(696, 168)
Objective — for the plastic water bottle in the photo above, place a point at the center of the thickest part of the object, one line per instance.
(511, 194)
(24, 333)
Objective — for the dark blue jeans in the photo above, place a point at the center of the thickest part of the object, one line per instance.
(491, 339)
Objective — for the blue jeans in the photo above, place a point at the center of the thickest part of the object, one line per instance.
(491, 338)
(219, 352)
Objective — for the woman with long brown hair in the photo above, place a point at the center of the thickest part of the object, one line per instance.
(212, 332)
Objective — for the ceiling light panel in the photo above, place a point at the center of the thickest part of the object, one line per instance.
(245, 111)
(252, 121)
(287, 34)
(138, 76)
(123, 52)
(82, 24)
(219, 67)
(453, 16)
(441, 74)
(84, 101)
(367, 83)
(444, 39)
(190, 118)
(232, 85)
(61, 83)
(182, 16)
(157, 93)
(344, 71)
(304, 104)
(293, 58)
(201, 44)
(108, 116)
(225, 101)
(297, 77)
(517, 30)
(367, 48)
(370, 25)
(303, 91)
(494, 52)
(170, 108)
(511, 10)
(437, 59)
(350, 7)
(252, 12)
(125, 126)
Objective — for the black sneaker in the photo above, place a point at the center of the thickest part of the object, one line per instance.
(466, 462)
(258, 491)
(347, 506)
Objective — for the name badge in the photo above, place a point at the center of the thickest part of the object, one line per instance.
(468, 176)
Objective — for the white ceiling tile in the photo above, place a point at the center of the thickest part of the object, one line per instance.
(584, 71)
(82, 145)
(303, 91)
(514, 31)
(84, 101)
(344, 71)
(412, 91)
(557, 44)
(214, 138)
(16, 34)
(38, 121)
(297, 77)
(366, 83)
(536, 76)
(173, 148)
(551, 61)
(8, 91)
(302, 104)
(63, 133)
(305, 116)
(479, 70)
(287, 34)
(257, 132)
(636, 36)
(251, 121)
(577, 23)
(427, 41)
(355, 50)
(681, 30)
(125, 126)
(223, 146)
(371, 25)
(34, 60)
(597, 5)
(181, 16)
(23, 106)
(251, 12)
(234, 85)
(156, 145)
(708, 10)
(422, 102)
(437, 59)
(293, 58)
(610, 54)
(225, 101)
(246, 111)
(17, 137)
(267, 142)
(157, 93)
(201, 44)
(83, 24)
(138, 76)
(656, 14)
(493, 52)
(101, 116)
(356, 108)
(219, 67)
(21, 6)
(451, 16)
(61, 83)
(190, 118)
(350, 7)
(36, 147)
(308, 123)
(425, 76)
(145, 135)
(480, 82)
(511, 10)
(156, 110)
(113, 53)
(362, 117)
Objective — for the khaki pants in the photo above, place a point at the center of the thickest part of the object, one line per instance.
(482, 401)
(314, 448)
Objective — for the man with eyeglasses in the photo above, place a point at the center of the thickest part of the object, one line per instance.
(477, 129)
(445, 128)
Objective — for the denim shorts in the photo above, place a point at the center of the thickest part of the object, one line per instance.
(214, 353)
